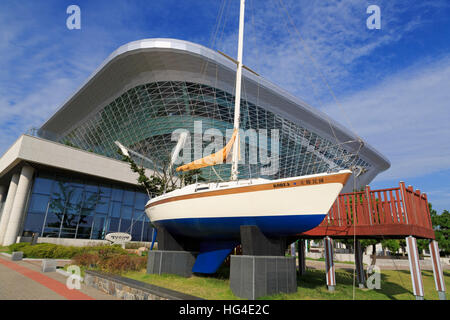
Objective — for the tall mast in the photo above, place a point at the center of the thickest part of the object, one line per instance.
(237, 101)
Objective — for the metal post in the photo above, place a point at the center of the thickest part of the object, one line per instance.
(361, 276)
(301, 257)
(329, 264)
(437, 269)
(414, 267)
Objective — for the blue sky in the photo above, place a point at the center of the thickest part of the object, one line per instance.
(392, 85)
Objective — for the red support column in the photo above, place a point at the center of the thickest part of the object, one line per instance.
(437, 269)
(329, 264)
(414, 267)
(361, 276)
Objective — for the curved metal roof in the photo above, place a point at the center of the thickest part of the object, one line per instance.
(149, 60)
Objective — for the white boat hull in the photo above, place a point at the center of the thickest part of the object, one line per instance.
(283, 207)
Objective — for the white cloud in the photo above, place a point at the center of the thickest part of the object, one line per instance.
(406, 117)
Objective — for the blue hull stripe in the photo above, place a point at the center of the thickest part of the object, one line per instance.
(229, 228)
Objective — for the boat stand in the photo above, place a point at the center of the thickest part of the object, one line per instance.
(174, 256)
(262, 269)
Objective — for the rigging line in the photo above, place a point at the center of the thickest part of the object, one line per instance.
(315, 90)
(214, 35)
(354, 235)
(318, 69)
(258, 79)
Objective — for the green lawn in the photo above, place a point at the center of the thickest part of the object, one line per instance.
(395, 285)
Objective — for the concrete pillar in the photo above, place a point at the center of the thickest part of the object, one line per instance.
(2, 196)
(8, 205)
(18, 208)
(414, 267)
(437, 269)
(361, 276)
(2, 199)
(329, 264)
(301, 257)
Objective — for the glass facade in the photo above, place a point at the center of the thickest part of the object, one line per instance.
(65, 207)
(143, 119)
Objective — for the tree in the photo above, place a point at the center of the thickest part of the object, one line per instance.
(441, 226)
(391, 244)
(167, 181)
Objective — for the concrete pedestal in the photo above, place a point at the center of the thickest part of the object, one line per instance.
(17, 256)
(171, 262)
(252, 277)
(48, 265)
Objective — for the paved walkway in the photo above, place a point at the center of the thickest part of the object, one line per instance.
(22, 280)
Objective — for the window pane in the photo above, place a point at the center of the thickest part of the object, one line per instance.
(127, 212)
(98, 231)
(105, 190)
(84, 227)
(42, 185)
(115, 210)
(125, 225)
(102, 205)
(39, 203)
(90, 200)
(53, 220)
(128, 198)
(33, 222)
(113, 225)
(91, 187)
(136, 232)
(141, 200)
(117, 194)
(51, 232)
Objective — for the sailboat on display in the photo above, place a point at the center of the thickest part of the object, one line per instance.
(213, 213)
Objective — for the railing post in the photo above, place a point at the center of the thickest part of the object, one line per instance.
(414, 267)
(437, 269)
(430, 223)
(403, 194)
(413, 217)
(329, 264)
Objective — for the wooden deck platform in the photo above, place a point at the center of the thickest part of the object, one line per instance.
(385, 213)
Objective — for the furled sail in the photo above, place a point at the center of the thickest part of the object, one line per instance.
(213, 159)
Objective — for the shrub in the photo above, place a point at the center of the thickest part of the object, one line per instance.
(119, 263)
(17, 246)
(86, 259)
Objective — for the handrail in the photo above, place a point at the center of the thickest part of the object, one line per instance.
(390, 211)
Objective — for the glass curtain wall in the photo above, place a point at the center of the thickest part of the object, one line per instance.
(64, 207)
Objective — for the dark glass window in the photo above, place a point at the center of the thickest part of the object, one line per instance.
(141, 200)
(39, 203)
(102, 205)
(128, 198)
(74, 208)
(115, 210)
(42, 185)
(127, 212)
(117, 194)
(33, 223)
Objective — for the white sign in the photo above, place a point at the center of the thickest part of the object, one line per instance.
(118, 237)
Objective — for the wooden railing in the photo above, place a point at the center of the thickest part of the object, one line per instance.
(393, 212)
